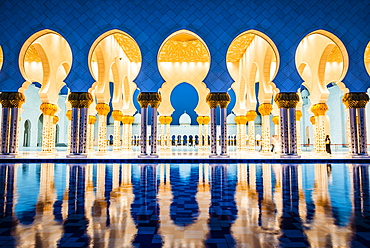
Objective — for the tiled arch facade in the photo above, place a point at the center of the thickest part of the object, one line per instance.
(217, 23)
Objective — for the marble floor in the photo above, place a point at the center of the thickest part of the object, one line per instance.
(182, 152)
(184, 205)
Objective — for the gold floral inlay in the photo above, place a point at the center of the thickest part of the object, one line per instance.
(183, 51)
(129, 46)
(335, 55)
(32, 55)
(238, 47)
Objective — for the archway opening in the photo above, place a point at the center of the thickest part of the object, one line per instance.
(27, 133)
(183, 57)
(322, 62)
(184, 99)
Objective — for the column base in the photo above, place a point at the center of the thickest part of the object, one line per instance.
(213, 156)
(290, 156)
(225, 155)
(77, 155)
(47, 154)
(101, 154)
(359, 156)
(153, 155)
(143, 155)
(7, 155)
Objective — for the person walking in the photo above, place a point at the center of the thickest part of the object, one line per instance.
(327, 144)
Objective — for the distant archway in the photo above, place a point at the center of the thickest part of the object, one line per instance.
(27, 133)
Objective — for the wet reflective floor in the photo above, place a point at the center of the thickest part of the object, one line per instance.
(184, 205)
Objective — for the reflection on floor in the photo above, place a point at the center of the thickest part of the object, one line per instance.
(184, 205)
(184, 152)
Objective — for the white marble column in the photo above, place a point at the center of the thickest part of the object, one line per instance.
(251, 115)
(74, 130)
(14, 128)
(265, 110)
(292, 132)
(298, 124)
(168, 134)
(223, 132)
(69, 117)
(117, 116)
(48, 110)
(200, 131)
(103, 110)
(91, 129)
(284, 137)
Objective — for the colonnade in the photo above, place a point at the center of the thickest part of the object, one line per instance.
(81, 125)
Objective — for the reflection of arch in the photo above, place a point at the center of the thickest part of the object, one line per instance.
(27, 133)
(183, 57)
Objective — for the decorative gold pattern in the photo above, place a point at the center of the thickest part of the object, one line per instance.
(80, 99)
(55, 119)
(265, 109)
(313, 120)
(238, 47)
(287, 100)
(48, 108)
(117, 115)
(149, 98)
(200, 120)
(92, 119)
(251, 115)
(275, 120)
(206, 120)
(129, 46)
(69, 115)
(355, 99)
(168, 120)
(319, 109)
(298, 115)
(241, 119)
(102, 109)
(212, 100)
(335, 55)
(12, 99)
(223, 99)
(162, 120)
(32, 55)
(183, 51)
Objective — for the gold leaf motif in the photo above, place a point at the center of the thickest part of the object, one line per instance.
(238, 47)
(32, 55)
(129, 46)
(183, 51)
(335, 55)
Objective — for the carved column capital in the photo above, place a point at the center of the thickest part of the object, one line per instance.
(12, 99)
(355, 99)
(69, 115)
(102, 109)
(275, 120)
(312, 120)
(92, 119)
(265, 109)
(48, 108)
(251, 115)
(298, 115)
(117, 115)
(80, 99)
(223, 99)
(319, 109)
(55, 119)
(212, 100)
(287, 99)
